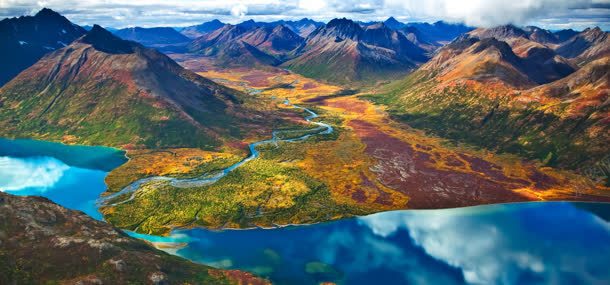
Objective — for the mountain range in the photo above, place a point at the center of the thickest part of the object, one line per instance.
(525, 90)
(515, 90)
(342, 51)
(251, 46)
(538, 95)
(370, 51)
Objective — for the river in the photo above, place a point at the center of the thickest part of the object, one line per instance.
(525, 243)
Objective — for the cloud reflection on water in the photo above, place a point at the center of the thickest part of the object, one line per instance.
(505, 246)
(21, 173)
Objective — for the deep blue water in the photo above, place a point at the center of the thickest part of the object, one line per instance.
(528, 243)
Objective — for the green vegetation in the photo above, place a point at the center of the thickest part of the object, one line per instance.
(275, 194)
(493, 122)
(101, 114)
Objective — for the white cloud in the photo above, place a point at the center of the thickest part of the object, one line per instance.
(492, 248)
(488, 13)
(116, 13)
(21, 173)
(239, 10)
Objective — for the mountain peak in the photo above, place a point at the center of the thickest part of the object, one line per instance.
(502, 47)
(46, 12)
(103, 40)
(340, 22)
(500, 32)
(392, 23)
(593, 32)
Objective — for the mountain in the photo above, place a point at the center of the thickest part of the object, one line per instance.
(541, 35)
(276, 40)
(89, 27)
(491, 60)
(579, 48)
(503, 33)
(152, 36)
(564, 35)
(24, 40)
(440, 32)
(200, 30)
(44, 243)
(251, 24)
(586, 46)
(394, 24)
(302, 27)
(537, 105)
(247, 45)
(103, 90)
(343, 52)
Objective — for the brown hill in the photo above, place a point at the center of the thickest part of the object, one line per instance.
(108, 91)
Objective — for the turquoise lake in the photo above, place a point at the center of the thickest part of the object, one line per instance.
(527, 243)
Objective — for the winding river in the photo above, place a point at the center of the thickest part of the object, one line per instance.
(206, 179)
(525, 243)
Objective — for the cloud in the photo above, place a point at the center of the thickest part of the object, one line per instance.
(239, 10)
(554, 14)
(20, 173)
(497, 246)
(487, 13)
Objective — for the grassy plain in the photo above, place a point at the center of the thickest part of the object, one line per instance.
(370, 163)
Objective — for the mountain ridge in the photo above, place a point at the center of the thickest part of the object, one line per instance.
(108, 91)
(25, 39)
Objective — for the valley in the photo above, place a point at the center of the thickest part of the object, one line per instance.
(310, 181)
(316, 142)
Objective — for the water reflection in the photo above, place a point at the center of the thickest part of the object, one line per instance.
(533, 243)
(530, 243)
(546, 243)
(23, 173)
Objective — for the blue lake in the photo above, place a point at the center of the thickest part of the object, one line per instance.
(528, 243)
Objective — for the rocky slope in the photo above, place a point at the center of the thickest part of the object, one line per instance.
(480, 90)
(44, 243)
(107, 91)
(586, 46)
(492, 60)
(302, 27)
(247, 44)
(342, 51)
(24, 40)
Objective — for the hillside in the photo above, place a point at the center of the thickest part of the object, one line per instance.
(482, 93)
(24, 40)
(107, 91)
(44, 243)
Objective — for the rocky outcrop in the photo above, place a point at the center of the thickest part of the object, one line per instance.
(42, 242)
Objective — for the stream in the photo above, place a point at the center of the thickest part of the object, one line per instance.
(208, 179)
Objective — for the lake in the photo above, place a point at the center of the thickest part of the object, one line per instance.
(526, 243)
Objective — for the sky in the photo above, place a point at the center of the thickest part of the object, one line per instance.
(550, 14)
